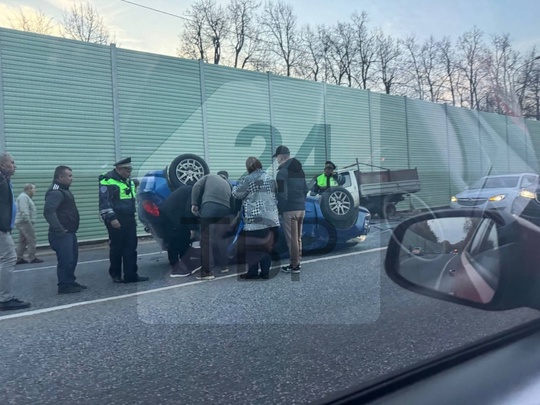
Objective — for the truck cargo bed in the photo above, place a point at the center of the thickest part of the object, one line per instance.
(403, 181)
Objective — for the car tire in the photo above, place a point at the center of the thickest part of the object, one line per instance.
(186, 169)
(337, 206)
(387, 209)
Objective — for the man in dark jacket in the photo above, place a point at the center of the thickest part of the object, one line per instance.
(178, 223)
(8, 255)
(62, 214)
(117, 208)
(291, 195)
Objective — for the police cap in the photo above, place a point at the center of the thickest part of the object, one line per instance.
(123, 162)
(330, 165)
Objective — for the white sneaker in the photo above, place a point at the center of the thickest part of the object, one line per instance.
(207, 277)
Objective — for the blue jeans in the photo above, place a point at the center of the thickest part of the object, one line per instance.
(67, 253)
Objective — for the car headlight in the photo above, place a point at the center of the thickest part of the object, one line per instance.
(527, 194)
(498, 197)
(453, 199)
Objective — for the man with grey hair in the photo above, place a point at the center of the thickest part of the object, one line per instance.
(8, 255)
(25, 221)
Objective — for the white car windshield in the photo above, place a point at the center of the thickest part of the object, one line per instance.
(496, 182)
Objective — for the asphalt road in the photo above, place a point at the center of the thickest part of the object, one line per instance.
(179, 341)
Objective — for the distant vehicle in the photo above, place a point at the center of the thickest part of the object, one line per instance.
(498, 192)
(527, 204)
(330, 221)
(417, 251)
(379, 191)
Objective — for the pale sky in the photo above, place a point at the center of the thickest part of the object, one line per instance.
(145, 30)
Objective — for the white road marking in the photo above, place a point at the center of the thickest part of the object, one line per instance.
(79, 263)
(155, 290)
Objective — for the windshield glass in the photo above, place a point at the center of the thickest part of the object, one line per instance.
(131, 269)
(496, 182)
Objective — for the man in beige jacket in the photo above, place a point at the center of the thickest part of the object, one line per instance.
(24, 221)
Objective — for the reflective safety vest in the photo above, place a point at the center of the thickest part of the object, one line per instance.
(322, 181)
(116, 196)
(126, 191)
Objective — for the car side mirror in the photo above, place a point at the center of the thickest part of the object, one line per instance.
(487, 260)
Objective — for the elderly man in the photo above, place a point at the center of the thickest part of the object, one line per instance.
(117, 208)
(8, 255)
(25, 221)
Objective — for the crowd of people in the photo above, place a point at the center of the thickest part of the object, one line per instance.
(211, 207)
(117, 203)
(258, 204)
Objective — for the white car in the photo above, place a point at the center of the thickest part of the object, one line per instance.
(495, 192)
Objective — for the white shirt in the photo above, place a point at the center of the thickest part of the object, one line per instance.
(26, 210)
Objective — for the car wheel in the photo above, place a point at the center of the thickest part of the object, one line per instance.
(337, 206)
(187, 169)
(387, 208)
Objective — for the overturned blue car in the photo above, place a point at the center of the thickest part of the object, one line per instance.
(331, 220)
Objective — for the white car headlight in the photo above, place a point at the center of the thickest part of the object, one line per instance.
(453, 199)
(498, 197)
(527, 194)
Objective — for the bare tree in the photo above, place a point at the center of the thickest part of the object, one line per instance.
(84, 23)
(205, 29)
(36, 21)
(245, 38)
(217, 26)
(413, 67)
(432, 68)
(262, 60)
(534, 89)
(474, 63)
(389, 53)
(365, 49)
(451, 73)
(342, 52)
(315, 45)
(280, 23)
(424, 68)
(528, 85)
(501, 75)
(193, 41)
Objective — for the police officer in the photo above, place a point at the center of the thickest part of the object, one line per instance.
(327, 179)
(117, 208)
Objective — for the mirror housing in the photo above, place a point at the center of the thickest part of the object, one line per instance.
(517, 253)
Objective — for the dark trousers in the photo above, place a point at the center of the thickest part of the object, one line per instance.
(123, 249)
(177, 243)
(257, 247)
(67, 253)
(215, 223)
